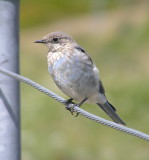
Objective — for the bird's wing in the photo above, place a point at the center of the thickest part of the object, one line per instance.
(101, 88)
(80, 49)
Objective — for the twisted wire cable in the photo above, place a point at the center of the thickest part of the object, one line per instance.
(73, 107)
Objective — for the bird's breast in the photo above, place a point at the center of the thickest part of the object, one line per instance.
(58, 61)
(72, 76)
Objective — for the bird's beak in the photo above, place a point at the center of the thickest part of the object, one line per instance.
(40, 41)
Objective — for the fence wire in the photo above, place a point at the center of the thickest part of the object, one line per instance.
(74, 107)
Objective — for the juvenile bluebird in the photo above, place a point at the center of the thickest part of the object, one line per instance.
(75, 74)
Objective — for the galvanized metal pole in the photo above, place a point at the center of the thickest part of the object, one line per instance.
(9, 88)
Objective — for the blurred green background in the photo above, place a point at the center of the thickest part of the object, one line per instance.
(116, 35)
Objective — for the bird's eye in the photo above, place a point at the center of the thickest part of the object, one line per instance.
(55, 39)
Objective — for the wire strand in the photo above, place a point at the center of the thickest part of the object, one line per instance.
(75, 108)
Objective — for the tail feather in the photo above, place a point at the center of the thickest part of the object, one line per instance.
(111, 112)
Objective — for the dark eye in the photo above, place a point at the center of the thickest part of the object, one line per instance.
(55, 39)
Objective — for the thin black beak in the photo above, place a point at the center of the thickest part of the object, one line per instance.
(39, 41)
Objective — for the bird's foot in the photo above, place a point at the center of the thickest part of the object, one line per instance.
(69, 101)
(70, 105)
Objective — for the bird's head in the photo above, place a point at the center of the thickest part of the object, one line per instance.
(56, 40)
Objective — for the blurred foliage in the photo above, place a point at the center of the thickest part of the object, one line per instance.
(116, 35)
(37, 12)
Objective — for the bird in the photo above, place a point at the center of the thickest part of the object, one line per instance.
(75, 73)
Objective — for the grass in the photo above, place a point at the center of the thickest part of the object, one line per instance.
(121, 53)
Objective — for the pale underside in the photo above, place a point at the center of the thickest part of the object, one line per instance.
(76, 76)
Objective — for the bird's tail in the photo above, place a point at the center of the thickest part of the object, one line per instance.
(111, 112)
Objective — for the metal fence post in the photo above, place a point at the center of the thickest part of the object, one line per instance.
(9, 88)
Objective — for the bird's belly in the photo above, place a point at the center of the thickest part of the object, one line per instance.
(74, 79)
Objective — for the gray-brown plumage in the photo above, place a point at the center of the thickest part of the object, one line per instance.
(74, 72)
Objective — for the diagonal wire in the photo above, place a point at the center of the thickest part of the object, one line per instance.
(75, 108)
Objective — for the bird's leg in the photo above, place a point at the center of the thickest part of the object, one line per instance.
(79, 105)
(69, 101)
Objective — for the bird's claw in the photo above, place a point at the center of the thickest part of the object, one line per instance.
(70, 106)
